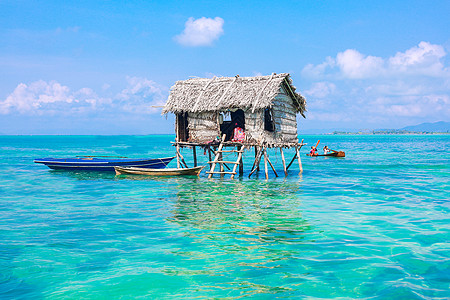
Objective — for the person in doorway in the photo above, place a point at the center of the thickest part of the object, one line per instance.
(238, 134)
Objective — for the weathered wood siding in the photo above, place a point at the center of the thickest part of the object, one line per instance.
(203, 127)
(285, 120)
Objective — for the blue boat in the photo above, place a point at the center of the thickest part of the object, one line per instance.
(92, 163)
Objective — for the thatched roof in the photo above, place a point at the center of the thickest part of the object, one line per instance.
(222, 93)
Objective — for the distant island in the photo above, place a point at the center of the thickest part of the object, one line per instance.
(440, 127)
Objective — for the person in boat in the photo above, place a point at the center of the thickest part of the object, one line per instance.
(326, 150)
(313, 151)
(238, 134)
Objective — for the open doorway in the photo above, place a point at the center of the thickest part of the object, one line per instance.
(182, 127)
(232, 120)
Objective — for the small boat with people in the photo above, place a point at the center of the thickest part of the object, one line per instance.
(333, 154)
(326, 152)
(158, 172)
(102, 163)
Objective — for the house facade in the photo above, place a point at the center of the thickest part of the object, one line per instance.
(266, 107)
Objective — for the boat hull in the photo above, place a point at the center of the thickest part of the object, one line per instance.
(101, 164)
(157, 172)
(333, 154)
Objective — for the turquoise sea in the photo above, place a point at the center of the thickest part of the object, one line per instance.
(373, 225)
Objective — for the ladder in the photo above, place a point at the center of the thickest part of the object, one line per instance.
(219, 160)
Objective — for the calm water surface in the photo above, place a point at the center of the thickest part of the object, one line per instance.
(373, 225)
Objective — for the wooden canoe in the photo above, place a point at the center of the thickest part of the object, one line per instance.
(101, 163)
(158, 172)
(332, 154)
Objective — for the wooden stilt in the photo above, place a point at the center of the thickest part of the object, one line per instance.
(273, 169)
(221, 164)
(194, 153)
(210, 157)
(284, 162)
(241, 165)
(178, 156)
(257, 164)
(265, 164)
(299, 160)
(181, 158)
(295, 156)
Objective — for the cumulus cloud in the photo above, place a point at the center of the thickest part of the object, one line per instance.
(406, 88)
(320, 89)
(141, 95)
(41, 98)
(30, 98)
(200, 32)
(424, 59)
(355, 65)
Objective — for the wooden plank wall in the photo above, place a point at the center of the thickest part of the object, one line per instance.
(203, 127)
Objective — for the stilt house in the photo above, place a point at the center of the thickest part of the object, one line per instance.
(264, 106)
(209, 109)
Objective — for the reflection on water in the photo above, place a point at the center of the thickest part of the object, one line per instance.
(83, 175)
(246, 226)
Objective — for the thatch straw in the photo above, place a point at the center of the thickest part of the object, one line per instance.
(222, 93)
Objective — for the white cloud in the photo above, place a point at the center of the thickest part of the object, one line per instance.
(424, 59)
(30, 98)
(48, 98)
(407, 88)
(354, 65)
(200, 32)
(321, 89)
(140, 95)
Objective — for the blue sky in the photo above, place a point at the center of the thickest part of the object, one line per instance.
(100, 67)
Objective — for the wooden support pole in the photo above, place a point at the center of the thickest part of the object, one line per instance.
(299, 160)
(295, 156)
(273, 169)
(178, 156)
(265, 164)
(241, 163)
(209, 153)
(194, 153)
(284, 161)
(221, 164)
(256, 162)
(182, 158)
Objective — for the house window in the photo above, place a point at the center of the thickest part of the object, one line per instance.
(269, 124)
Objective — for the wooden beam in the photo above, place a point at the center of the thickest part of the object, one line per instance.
(273, 169)
(295, 156)
(299, 160)
(256, 162)
(284, 161)
(194, 152)
(241, 163)
(182, 159)
(178, 156)
(257, 165)
(265, 164)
